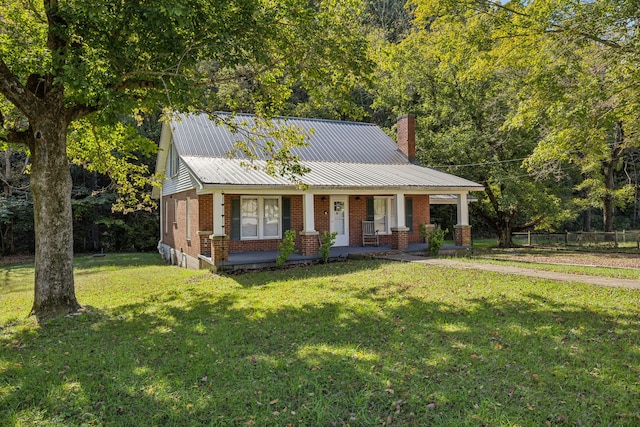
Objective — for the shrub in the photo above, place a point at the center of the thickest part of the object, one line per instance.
(423, 231)
(436, 240)
(326, 241)
(286, 247)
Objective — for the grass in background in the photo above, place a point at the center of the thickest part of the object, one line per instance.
(357, 343)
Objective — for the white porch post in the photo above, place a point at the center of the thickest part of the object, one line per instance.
(309, 243)
(400, 232)
(463, 209)
(218, 214)
(400, 214)
(309, 224)
(462, 230)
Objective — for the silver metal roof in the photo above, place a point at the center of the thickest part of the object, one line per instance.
(329, 140)
(329, 174)
(340, 155)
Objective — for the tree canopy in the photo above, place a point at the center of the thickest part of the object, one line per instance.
(66, 60)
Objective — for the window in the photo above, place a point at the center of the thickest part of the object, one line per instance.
(249, 218)
(175, 212)
(380, 214)
(188, 220)
(166, 217)
(384, 214)
(271, 218)
(173, 161)
(260, 218)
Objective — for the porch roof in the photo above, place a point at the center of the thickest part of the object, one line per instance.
(220, 171)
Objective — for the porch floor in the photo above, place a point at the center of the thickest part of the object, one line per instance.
(260, 259)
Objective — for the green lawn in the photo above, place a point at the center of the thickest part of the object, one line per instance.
(618, 273)
(353, 343)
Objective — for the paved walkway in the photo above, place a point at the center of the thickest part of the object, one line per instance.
(506, 269)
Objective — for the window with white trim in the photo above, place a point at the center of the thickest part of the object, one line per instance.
(384, 215)
(260, 218)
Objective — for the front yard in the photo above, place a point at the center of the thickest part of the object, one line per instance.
(352, 343)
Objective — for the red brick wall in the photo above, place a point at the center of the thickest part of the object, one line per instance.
(176, 236)
(421, 215)
(321, 213)
(205, 207)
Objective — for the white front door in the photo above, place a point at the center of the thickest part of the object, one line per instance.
(340, 219)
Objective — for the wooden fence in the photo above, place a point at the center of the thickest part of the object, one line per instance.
(616, 239)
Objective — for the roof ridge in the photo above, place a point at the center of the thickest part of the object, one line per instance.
(307, 119)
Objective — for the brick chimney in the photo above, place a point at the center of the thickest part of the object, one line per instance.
(407, 136)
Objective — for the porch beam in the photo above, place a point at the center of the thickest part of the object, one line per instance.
(218, 214)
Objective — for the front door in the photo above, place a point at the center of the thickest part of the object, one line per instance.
(340, 219)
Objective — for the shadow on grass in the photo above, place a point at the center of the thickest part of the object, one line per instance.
(388, 357)
(124, 260)
(331, 269)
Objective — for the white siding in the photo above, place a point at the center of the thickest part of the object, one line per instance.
(183, 181)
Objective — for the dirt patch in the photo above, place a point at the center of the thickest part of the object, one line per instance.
(615, 260)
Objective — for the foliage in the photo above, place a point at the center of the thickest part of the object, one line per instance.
(80, 66)
(571, 65)
(358, 343)
(286, 247)
(423, 231)
(327, 240)
(436, 240)
(444, 73)
(116, 151)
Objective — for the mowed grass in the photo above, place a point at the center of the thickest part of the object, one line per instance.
(354, 343)
(613, 272)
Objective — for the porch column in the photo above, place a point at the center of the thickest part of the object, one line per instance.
(308, 235)
(462, 230)
(463, 209)
(218, 214)
(219, 248)
(399, 208)
(400, 232)
(308, 219)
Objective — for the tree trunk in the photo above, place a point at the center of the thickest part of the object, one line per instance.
(505, 235)
(586, 220)
(608, 169)
(53, 222)
(607, 199)
(7, 171)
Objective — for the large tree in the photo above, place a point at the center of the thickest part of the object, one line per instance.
(66, 60)
(579, 86)
(445, 73)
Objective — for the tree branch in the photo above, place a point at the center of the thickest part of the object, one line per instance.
(16, 93)
(529, 224)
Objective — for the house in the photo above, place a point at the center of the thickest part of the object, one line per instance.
(212, 204)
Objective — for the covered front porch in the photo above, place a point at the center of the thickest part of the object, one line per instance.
(400, 219)
(251, 260)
